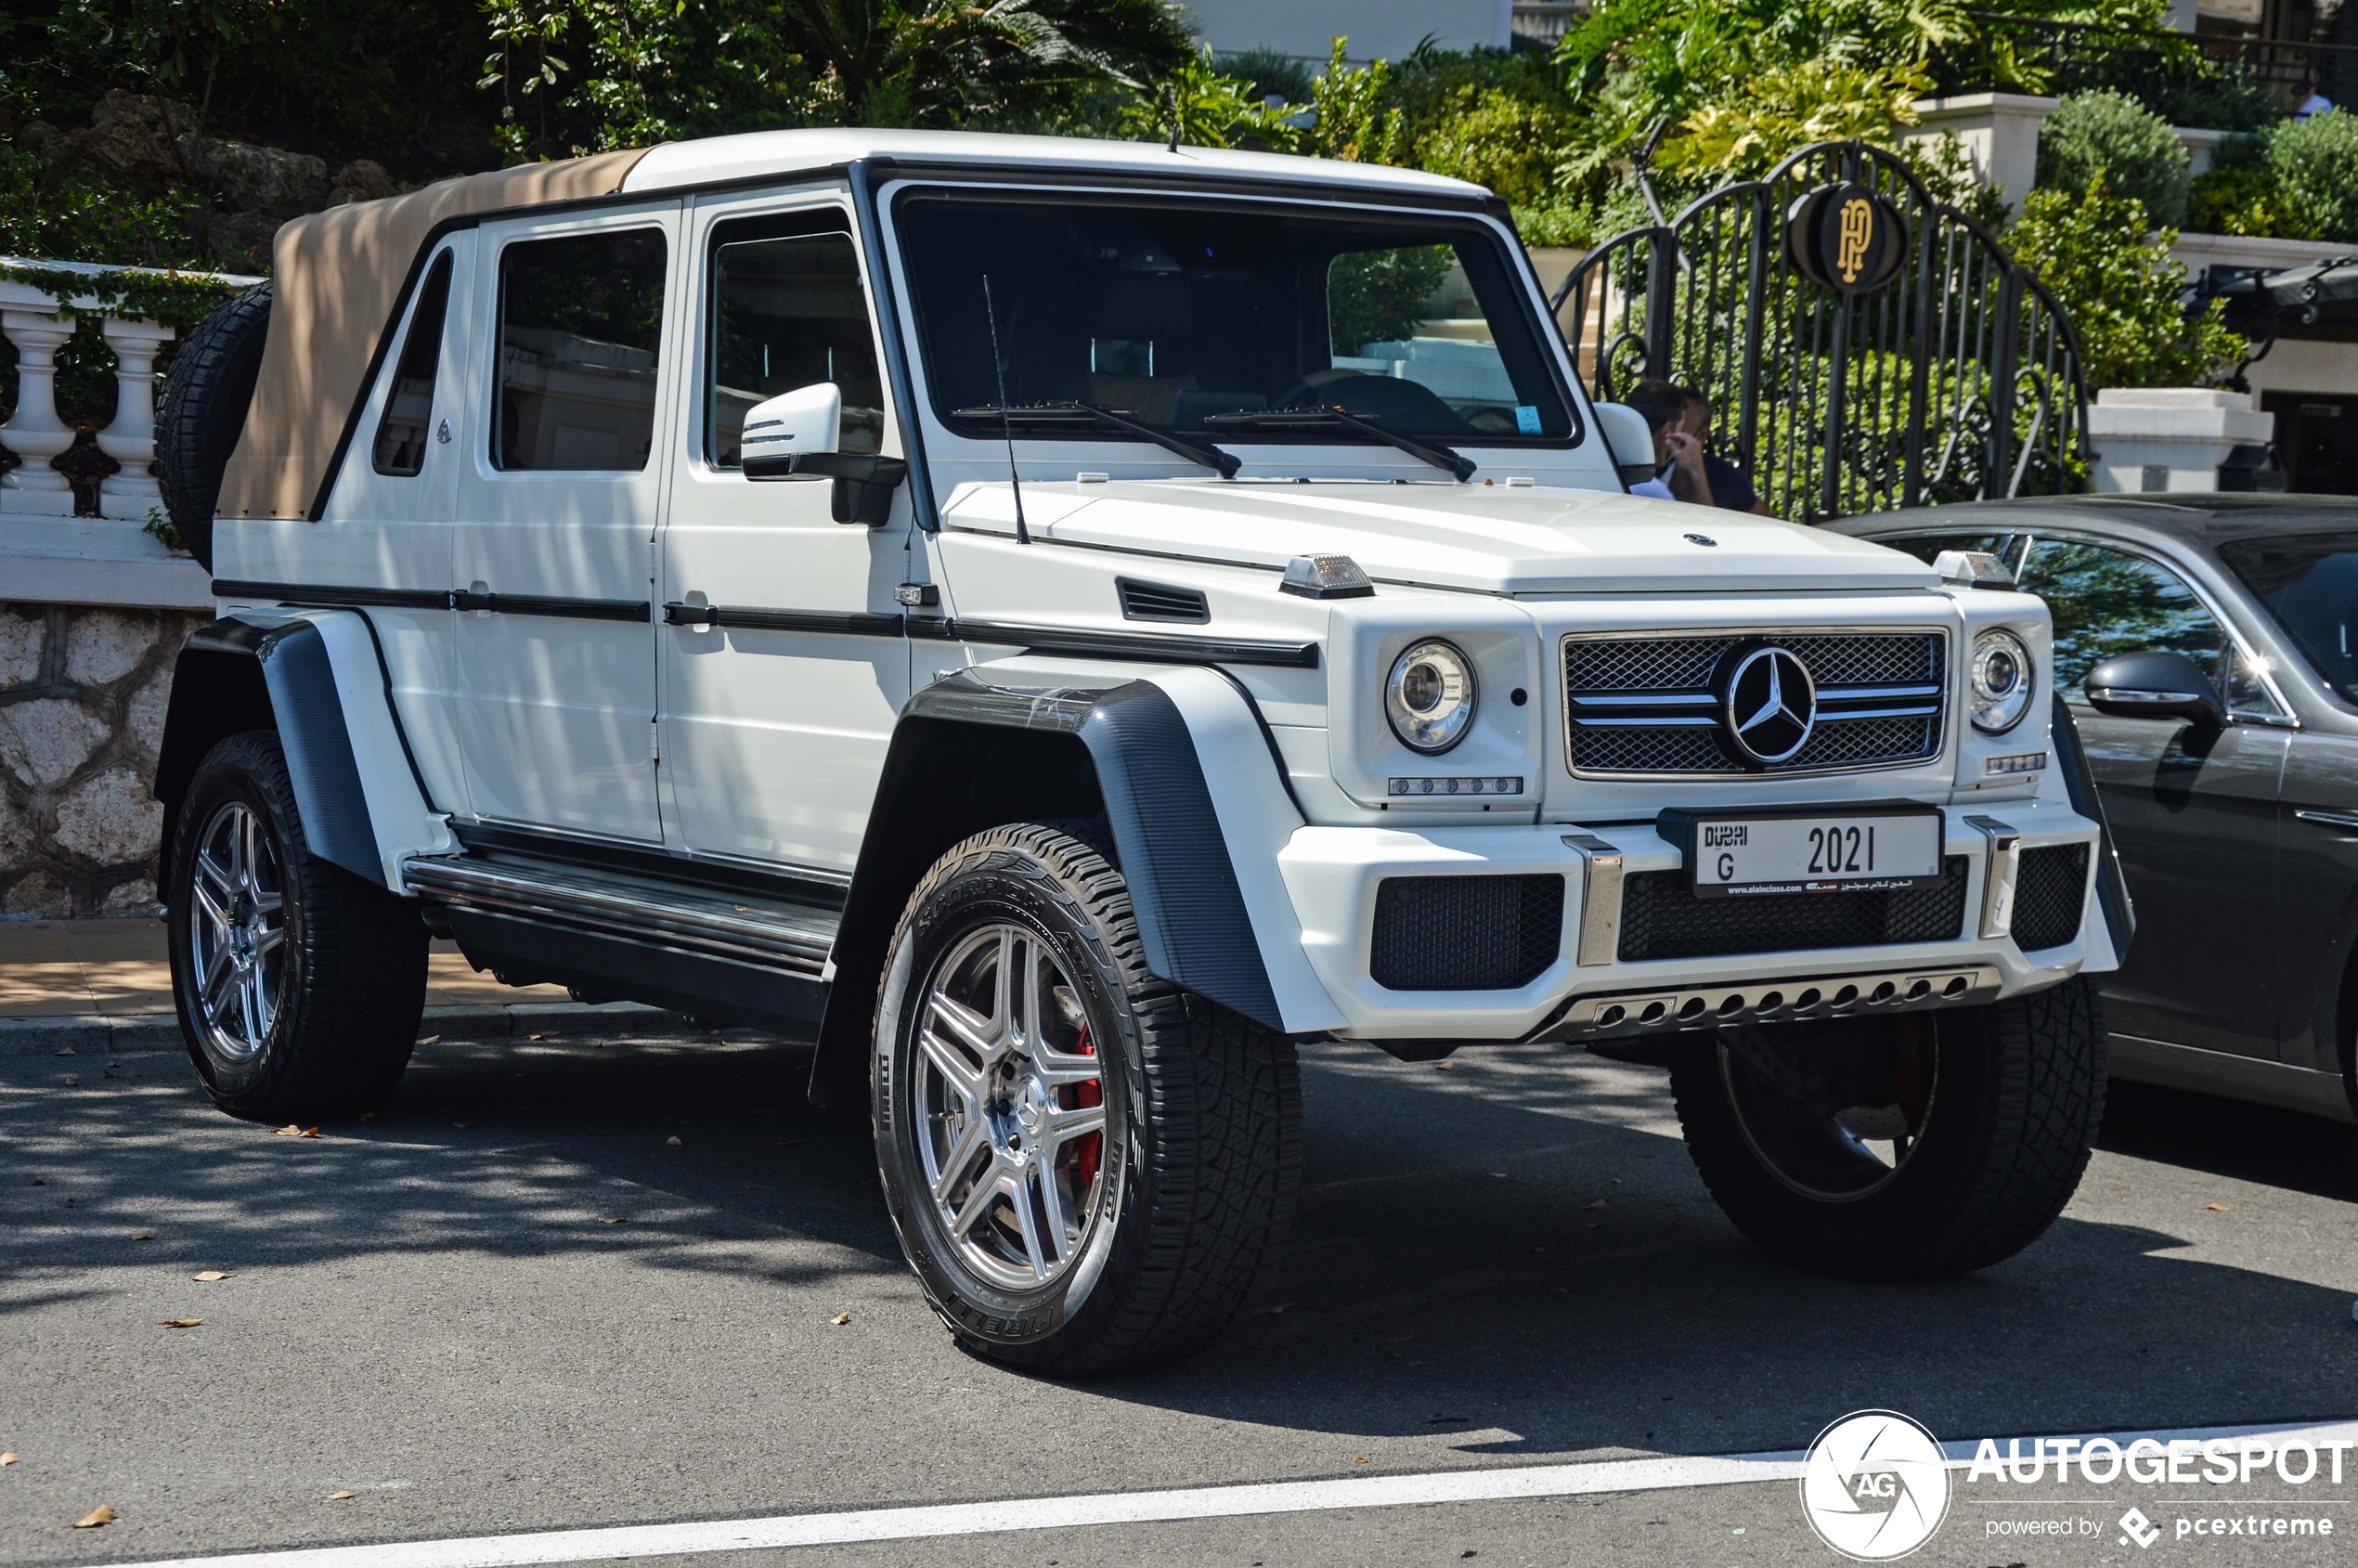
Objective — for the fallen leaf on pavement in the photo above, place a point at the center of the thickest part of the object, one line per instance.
(73, 1082)
(65, 1052)
(368, 1116)
(39, 1181)
(840, 1318)
(102, 1514)
(431, 1039)
(10, 1457)
(1273, 1311)
(542, 1035)
(143, 1236)
(671, 1142)
(1445, 1066)
(463, 1124)
(1599, 1204)
(293, 1130)
(334, 1496)
(178, 1322)
(610, 1219)
(1359, 1459)
(209, 1276)
(2216, 1208)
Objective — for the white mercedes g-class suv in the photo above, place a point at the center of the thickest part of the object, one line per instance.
(1061, 624)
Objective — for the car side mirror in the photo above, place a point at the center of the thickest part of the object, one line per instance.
(797, 434)
(2156, 685)
(793, 424)
(1629, 441)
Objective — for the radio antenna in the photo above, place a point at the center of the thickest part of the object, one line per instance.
(1006, 424)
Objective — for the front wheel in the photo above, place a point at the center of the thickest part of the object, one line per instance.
(1089, 1170)
(1911, 1146)
(299, 985)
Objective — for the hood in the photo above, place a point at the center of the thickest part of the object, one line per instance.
(1485, 539)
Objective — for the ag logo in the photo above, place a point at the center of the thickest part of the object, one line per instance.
(1874, 1485)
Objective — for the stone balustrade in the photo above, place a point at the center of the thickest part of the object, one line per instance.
(50, 554)
(92, 611)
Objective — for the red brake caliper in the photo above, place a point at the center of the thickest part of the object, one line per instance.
(1086, 1152)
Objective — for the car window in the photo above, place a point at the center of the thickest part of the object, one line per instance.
(2309, 587)
(580, 325)
(787, 311)
(402, 433)
(2106, 602)
(1183, 313)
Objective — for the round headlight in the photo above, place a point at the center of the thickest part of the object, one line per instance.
(2001, 678)
(1430, 696)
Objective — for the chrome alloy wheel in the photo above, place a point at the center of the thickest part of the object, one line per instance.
(1853, 1151)
(238, 934)
(1008, 1108)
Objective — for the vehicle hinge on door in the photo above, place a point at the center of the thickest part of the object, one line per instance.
(654, 740)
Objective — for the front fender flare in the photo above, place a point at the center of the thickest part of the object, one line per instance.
(1198, 807)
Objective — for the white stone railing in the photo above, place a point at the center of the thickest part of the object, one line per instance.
(54, 556)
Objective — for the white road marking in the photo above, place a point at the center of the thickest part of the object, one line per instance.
(611, 1543)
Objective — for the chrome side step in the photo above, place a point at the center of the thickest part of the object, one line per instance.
(779, 935)
(1623, 1014)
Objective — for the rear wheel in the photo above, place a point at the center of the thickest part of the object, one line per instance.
(1089, 1170)
(1906, 1147)
(299, 985)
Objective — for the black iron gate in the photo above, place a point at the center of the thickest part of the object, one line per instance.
(1863, 345)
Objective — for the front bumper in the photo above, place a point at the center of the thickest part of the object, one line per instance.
(1589, 991)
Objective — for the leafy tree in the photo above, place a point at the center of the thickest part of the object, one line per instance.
(2111, 138)
(2104, 259)
(2315, 160)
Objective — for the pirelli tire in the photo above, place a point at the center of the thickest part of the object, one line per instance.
(299, 985)
(1156, 1135)
(202, 413)
(1999, 1106)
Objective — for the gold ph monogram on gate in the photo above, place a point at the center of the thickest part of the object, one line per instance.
(1857, 231)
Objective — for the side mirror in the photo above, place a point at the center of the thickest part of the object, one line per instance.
(793, 424)
(1629, 441)
(2156, 685)
(798, 432)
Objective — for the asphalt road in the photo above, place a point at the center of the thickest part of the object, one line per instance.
(511, 1303)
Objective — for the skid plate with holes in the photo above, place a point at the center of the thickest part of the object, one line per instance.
(1829, 996)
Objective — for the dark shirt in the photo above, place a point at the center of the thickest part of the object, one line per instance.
(1729, 488)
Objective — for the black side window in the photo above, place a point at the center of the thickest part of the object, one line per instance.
(409, 417)
(788, 310)
(580, 325)
(2106, 602)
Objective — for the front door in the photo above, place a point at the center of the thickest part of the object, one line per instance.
(2192, 812)
(555, 640)
(786, 669)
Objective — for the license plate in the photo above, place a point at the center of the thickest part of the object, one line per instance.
(1810, 851)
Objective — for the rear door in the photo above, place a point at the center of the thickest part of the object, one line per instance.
(557, 509)
(2193, 813)
(784, 668)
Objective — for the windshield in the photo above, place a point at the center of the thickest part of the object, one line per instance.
(2309, 584)
(1177, 313)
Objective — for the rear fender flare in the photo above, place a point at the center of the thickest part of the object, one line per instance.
(318, 678)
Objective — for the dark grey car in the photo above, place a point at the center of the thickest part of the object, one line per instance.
(2227, 761)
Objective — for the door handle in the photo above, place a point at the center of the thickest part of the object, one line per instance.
(2330, 819)
(466, 599)
(702, 617)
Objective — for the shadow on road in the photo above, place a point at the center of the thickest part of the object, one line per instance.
(1516, 1250)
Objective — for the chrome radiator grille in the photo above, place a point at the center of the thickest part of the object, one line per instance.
(1654, 706)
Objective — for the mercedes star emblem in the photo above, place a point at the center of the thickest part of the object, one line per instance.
(1768, 704)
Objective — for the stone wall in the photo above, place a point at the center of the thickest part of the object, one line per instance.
(83, 693)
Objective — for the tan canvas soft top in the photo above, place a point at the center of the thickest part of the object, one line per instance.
(337, 276)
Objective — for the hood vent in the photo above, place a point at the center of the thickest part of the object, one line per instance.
(1160, 602)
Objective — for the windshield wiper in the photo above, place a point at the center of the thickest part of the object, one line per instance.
(1091, 413)
(1460, 466)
